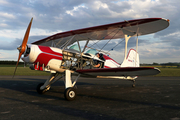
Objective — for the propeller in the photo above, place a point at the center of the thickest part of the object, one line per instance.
(22, 48)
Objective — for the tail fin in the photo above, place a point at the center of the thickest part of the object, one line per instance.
(132, 59)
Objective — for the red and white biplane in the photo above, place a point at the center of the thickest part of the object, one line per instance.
(59, 55)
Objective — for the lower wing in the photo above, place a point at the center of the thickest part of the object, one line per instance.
(121, 71)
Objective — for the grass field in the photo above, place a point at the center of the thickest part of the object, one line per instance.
(9, 70)
(21, 70)
(169, 72)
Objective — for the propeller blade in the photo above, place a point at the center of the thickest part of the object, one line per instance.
(26, 36)
(22, 48)
(17, 63)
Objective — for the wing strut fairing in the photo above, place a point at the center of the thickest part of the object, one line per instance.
(127, 37)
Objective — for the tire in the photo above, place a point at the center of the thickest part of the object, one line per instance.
(38, 89)
(70, 94)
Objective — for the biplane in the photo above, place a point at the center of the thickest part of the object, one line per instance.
(62, 55)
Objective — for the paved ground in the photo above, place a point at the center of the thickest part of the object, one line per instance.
(154, 98)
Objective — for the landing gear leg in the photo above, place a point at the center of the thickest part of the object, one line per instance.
(70, 92)
(43, 87)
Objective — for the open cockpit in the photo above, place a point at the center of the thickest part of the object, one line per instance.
(75, 60)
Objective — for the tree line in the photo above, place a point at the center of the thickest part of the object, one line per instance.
(10, 63)
(144, 64)
(163, 64)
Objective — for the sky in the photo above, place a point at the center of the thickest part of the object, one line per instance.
(54, 16)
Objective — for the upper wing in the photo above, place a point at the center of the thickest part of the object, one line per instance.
(108, 31)
(122, 71)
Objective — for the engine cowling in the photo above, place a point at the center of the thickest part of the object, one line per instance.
(43, 58)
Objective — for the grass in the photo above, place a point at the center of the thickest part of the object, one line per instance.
(169, 72)
(8, 70)
(25, 71)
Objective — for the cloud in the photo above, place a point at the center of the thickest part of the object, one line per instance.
(55, 16)
(7, 15)
(12, 45)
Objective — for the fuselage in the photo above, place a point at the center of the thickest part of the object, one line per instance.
(53, 59)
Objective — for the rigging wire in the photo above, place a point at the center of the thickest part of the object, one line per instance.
(116, 45)
(109, 40)
(104, 37)
(91, 39)
(95, 43)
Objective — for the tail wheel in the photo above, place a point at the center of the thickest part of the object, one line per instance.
(39, 90)
(134, 82)
(70, 94)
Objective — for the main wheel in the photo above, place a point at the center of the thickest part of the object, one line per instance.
(70, 94)
(39, 90)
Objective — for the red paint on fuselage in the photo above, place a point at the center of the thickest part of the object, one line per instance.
(108, 58)
(46, 49)
(44, 57)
